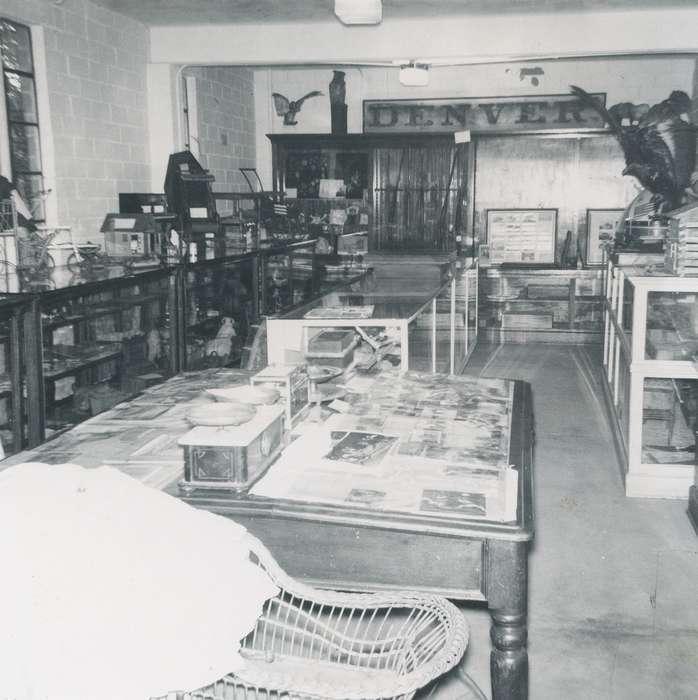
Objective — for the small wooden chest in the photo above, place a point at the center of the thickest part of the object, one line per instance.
(232, 458)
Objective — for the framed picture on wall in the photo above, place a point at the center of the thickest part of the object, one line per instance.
(601, 230)
(522, 236)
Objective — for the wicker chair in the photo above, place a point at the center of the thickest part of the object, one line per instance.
(311, 643)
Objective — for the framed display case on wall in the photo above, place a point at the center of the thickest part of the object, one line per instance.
(601, 230)
(522, 236)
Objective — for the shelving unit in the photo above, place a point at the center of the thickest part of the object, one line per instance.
(650, 340)
(541, 305)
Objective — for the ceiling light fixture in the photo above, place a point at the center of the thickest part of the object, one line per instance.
(359, 11)
(414, 75)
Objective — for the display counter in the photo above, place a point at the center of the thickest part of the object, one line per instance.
(541, 304)
(94, 334)
(650, 345)
(423, 482)
(434, 331)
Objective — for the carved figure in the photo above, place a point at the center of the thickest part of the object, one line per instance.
(221, 344)
(289, 108)
(338, 107)
(153, 344)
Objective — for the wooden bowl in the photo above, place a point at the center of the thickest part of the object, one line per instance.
(221, 414)
(253, 395)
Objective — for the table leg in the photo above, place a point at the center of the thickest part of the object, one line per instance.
(507, 590)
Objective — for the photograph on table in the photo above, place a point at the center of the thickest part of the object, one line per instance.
(602, 225)
(437, 500)
(366, 449)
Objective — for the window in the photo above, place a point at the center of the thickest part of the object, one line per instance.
(22, 113)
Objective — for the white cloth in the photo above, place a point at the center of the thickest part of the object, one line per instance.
(114, 590)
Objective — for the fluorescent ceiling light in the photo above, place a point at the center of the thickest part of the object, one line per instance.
(359, 11)
(414, 75)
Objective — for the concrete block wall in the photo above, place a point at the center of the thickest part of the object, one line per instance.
(226, 119)
(96, 81)
(694, 113)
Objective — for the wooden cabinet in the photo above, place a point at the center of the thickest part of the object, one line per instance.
(409, 191)
(541, 305)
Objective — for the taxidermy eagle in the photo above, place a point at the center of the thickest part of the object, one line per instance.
(289, 108)
(659, 146)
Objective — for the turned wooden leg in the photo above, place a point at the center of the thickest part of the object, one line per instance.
(507, 579)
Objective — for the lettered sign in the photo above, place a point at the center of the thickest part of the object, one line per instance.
(481, 114)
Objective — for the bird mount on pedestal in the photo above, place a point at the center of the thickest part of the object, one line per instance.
(289, 108)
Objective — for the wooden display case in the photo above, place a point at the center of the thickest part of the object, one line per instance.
(650, 341)
(19, 374)
(220, 307)
(90, 338)
(519, 304)
(409, 191)
(104, 340)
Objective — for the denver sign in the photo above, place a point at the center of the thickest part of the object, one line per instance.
(480, 114)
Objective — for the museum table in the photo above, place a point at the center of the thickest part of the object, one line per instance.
(348, 546)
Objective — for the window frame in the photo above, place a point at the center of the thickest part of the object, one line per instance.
(9, 122)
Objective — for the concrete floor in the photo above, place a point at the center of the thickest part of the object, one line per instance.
(613, 596)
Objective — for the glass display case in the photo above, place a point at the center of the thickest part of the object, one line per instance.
(18, 367)
(360, 325)
(105, 338)
(650, 346)
(220, 307)
(541, 305)
(288, 276)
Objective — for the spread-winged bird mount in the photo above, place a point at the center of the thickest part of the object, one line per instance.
(659, 149)
(289, 108)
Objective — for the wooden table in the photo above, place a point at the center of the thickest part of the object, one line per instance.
(358, 549)
(330, 545)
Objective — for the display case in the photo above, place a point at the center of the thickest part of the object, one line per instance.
(19, 372)
(360, 325)
(650, 341)
(520, 304)
(103, 335)
(220, 307)
(407, 190)
(288, 276)
(105, 338)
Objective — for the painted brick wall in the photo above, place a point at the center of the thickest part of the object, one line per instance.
(96, 81)
(225, 100)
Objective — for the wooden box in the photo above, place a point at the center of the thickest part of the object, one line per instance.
(331, 341)
(232, 458)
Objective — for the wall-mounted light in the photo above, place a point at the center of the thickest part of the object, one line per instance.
(359, 11)
(414, 75)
